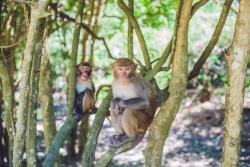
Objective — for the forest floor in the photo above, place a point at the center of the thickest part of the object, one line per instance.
(195, 139)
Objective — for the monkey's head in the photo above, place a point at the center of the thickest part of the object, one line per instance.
(124, 70)
(84, 70)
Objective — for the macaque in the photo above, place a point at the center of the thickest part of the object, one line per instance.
(134, 103)
(84, 94)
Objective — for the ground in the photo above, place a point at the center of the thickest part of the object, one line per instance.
(195, 139)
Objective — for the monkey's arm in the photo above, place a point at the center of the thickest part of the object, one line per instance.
(135, 103)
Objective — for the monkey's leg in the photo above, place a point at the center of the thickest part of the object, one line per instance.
(130, 123)
(116, 121)
(87, 101)
(83, 103)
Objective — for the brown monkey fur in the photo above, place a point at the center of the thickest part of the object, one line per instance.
(133, 107)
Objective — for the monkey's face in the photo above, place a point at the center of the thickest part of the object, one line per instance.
(123, 73)
(124, 70)
(84, 72)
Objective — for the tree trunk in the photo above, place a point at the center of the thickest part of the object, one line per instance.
(72, 70)
(46, 100)
(160, 127)
(84, 130)
(8, 98)
(34, 38)
(237, 59)
(95, 29)
(85, 33)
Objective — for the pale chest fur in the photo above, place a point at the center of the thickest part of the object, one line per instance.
(124, 91)
(83, 85)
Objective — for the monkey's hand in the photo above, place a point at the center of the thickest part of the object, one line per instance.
(114, 105)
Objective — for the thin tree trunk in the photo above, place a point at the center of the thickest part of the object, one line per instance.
(237, 59)
(33, 98)
(72, 70)
(84, 130)
(46, 100)
(95, 29)
(85, 33)
(31, 50)
(8, 98)
(160, 127)
(130, 32)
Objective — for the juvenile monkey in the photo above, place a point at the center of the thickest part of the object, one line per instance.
(85, 90)
(133, 106)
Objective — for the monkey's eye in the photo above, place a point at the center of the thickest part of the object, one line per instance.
(127, 69)
(120, 69)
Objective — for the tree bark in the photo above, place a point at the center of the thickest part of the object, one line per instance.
(161, 124)
(33, 98)
(237, 59)
(8, 99)
(46, 100)
(34, 38)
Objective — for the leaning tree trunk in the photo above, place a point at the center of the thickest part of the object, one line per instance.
(46, 100)
(237, 59)
(161, 125)
(34, 38)
(88, 156)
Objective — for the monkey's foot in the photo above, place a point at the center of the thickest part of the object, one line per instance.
(117, 140)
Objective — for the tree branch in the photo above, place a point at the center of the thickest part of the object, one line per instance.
(215, 37)
(167, 51)
(84, 26)
(88, 156)
(138, 32)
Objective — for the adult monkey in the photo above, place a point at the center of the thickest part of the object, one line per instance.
(85, 90)
(133, 106)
